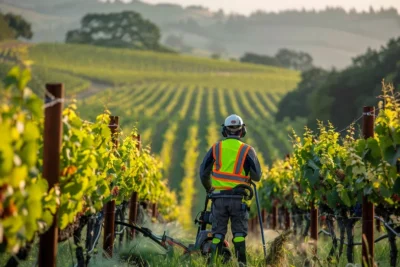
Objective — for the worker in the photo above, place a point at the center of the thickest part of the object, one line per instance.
(227, 164)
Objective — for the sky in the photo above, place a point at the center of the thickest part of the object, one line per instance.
(248, 6)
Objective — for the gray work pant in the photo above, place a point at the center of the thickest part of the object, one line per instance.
(223, 209)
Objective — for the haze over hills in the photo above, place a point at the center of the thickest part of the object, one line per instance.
(332, 36)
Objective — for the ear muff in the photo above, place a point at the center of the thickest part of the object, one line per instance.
(223, 130)
(244, 131)
(224, 134)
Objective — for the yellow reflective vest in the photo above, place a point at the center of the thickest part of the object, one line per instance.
(229, 157)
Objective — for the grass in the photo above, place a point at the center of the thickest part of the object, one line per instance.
(295, 252)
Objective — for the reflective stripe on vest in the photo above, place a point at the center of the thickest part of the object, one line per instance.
(217, 155)
(241, 156)
(230, 173)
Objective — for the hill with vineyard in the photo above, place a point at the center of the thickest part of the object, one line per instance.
(203, 32)
(176, 102)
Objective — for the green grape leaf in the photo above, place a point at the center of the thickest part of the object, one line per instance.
(87, 142)
(63, 220)
(103, 189)
(360, 146)
(374, 148)
(51, 203)
(7, 134)
(345, 198)
(380, 129)
(333, 199)
(385, 192)
(12, 224)
(47, 218)
(31, 132)
(74, 189)
(6, 158)
(35, 213)
(35, 192)
(312, 164)
(391, 155)
(25, 77)
(29, 153)
(42, 183)
(358, 170)
(386, 142)
(312, 176)
(35, 104)
(12, 77)
(76, 122)
(18, 174)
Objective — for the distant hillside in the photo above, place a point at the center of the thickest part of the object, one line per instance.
(332, 36)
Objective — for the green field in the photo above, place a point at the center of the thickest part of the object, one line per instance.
(176, 102)
(171, 98)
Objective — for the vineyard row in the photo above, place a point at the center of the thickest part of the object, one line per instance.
(348, 179)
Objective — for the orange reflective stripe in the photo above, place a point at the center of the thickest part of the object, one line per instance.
(228, 177)
(214, 152)
(237, 159)
(231, 174)
(231, 179)
(217, 155)
(240, 158)
(244, 157)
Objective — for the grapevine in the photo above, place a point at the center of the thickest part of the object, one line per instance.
(93, 171)
(337, 172)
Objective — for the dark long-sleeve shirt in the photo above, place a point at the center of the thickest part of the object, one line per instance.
(251, 167)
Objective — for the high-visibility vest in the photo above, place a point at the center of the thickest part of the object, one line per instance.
(229, 157)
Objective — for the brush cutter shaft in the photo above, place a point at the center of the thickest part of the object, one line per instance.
(260, 220)
(163, 241)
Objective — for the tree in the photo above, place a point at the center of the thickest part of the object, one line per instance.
(5, 31)
(215, 56)
(294, 60)
(337, 96)
(21, 27)
(125, 29)
(14, 26)
(259, 59)
(296, 103)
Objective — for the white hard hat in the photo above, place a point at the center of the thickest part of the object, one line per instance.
(233, 121)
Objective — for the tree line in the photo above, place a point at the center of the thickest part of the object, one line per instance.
(337, 95)
(286, 58)
(331, 17)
